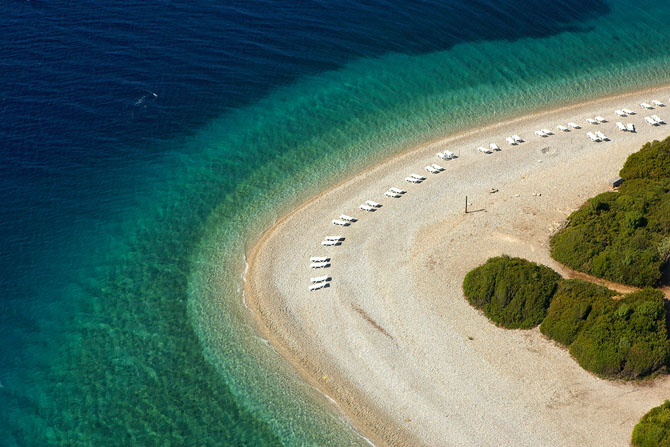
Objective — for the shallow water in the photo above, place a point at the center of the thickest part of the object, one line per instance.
(148, 145)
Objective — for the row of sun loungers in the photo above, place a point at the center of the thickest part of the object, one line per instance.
(317, 262)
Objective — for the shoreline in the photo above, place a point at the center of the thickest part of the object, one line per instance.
(269, 311)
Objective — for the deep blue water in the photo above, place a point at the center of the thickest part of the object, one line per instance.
(137, 134)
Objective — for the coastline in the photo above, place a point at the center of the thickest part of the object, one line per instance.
(276, 320)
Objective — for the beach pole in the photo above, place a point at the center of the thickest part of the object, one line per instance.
(466, 204)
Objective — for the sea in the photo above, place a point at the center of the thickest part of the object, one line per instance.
(147, 144)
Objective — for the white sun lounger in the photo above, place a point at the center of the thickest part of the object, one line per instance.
(319, 265)
(432, 170)
(318, 285)
(563, 128)
(348, 218)
(443, 156)
(600, 119)
(319, 259)
(646, 106)
(371, 203)
(628, 111)
(517, 138)
(366, 208)
(657, 103)
(601, 135)
(591, 121)
(334, 238)
(574, 125)
(438, 167)
(547, 131)
(621, 126)
(657, 119)
(418, 177)
(317, 279)
(620, 112)
(510, 140)
(494, 147)
(397, 190)
(592, 136)
(330, 243)
(392, 194)
(630, 127)
(540, 133)
(650, 121)
(450, 154)
(412, 180)
(484, 150)
(342, 223)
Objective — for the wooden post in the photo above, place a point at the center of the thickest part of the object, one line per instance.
(466, 204)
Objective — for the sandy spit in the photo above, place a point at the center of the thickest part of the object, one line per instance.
(394, 342)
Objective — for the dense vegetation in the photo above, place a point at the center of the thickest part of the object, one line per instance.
(624, 236)
(653, 430)
(512, 292)
(624, 338)
(573, 303)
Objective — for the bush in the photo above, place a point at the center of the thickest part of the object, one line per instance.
(650, 162)
(624, 339)
(653, 430)
(573, 303)
(512, 292)
(620, 236)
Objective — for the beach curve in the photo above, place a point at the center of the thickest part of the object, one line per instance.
(394, 342)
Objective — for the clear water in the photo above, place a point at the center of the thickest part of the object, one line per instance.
(148, 145)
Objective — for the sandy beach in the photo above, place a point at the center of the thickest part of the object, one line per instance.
(394, 342)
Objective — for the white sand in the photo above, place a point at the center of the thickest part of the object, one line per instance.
(394, 341)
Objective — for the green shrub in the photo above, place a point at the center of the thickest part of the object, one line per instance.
(619, 235)
(653, 430)
(664, 249)
(650, 162)
(573, 303)
(512, 292)
(624, 339)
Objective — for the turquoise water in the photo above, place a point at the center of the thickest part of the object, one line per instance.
(158, 285)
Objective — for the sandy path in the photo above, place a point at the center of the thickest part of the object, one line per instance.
(393, 340)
